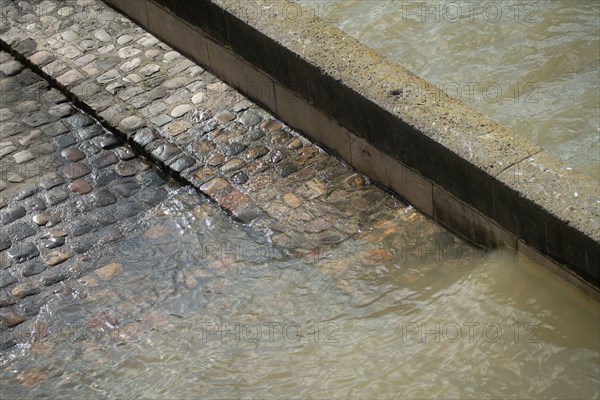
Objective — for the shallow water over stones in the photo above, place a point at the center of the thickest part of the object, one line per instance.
(189, 304)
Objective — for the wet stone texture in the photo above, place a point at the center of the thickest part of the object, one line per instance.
(68, 188)
(61, 193)
(186, 120)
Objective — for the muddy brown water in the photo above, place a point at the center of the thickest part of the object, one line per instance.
(201, 307)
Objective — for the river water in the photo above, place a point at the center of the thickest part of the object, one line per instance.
(533, 66)
(205, 308)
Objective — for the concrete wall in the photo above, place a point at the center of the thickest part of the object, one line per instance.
(457, 166)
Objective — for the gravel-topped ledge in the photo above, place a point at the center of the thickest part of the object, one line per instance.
(454, 164)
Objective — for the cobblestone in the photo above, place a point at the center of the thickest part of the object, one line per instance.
(80, 186)
(252, 165)
(70, 77)
(12, 214)
(131, 124)
(58, 178)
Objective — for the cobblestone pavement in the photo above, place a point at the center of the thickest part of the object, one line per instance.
(67, 183)
(184, 118)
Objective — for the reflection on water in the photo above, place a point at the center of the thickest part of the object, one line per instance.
(533, 66)
(202, 308)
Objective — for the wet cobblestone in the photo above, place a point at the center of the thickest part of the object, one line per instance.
(196, 126)
(68, 193)
(68, 185)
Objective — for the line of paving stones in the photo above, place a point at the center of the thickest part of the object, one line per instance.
(66, 185)
(184, 118)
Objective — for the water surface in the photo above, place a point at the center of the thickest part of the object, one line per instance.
(205, 308)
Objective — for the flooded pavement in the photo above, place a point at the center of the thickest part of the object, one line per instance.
(203, 307)
(336, 290)
(67, 187)
(532, 66)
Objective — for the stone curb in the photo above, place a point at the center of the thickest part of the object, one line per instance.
(302, 189)
(454, 164)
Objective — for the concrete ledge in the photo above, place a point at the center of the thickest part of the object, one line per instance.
(454, 164)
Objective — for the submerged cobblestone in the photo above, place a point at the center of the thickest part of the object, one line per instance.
(69, 190)
(88, 185)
